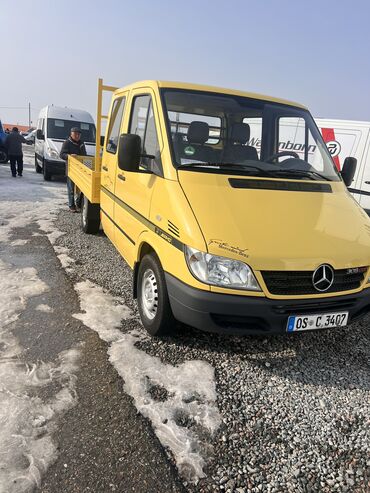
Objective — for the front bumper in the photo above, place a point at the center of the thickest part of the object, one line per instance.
(55, 167)
(252, 315)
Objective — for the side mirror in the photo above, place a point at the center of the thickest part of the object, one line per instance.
(349, 170)
(129, 152)
(39, 134)
(102, 140)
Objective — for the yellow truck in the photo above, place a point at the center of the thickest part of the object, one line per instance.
(225, 232)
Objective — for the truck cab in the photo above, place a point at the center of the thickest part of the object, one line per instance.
(224, 234)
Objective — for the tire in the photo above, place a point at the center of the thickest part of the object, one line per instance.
(38, 168)
(90, 217)
(3, 156)
(152, 297)
(46, 173)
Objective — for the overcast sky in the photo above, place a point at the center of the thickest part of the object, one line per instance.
(316, 52)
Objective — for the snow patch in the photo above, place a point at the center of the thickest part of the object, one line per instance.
(103, 312)
(44, 308)
(16, 286)
(19, 242)
(191, 393)
(26, 421)
(188, 389)
(65, 260)
(60, 249)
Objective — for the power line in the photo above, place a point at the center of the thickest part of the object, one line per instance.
(17, 108)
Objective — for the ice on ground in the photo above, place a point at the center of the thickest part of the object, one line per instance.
(60, 249)
(189, 389)
(44, 308)
(191, 396)
(66, 260)
(16, 286)
(25, 202)
(26, 421)
(19, 242)
(103, 312)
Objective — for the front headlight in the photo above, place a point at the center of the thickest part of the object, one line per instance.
(53, 153)
(220, 271)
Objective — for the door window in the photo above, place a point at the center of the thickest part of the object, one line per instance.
(40, 125)
(143, 124)
(115, 125)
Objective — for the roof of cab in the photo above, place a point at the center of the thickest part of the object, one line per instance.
(200, 87)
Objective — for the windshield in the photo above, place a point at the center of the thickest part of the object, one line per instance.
(60, 129)
(224, 133)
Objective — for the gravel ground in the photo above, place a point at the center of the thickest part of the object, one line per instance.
(295, 409)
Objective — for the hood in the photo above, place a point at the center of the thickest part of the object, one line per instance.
(57, 146)
(279, 229)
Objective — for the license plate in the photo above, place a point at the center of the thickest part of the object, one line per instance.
(297, 323)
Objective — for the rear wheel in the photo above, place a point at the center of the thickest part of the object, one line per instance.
(46, 172)
(153, 302)
(90, 216)
(38, 168)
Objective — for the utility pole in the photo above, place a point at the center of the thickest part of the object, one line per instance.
(29, 115)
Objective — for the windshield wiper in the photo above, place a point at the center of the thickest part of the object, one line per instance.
(301, 172)
(228, 166)
(261, 171)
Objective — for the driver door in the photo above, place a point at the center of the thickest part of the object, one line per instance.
(133, 190)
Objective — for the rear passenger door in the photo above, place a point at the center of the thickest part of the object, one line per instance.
(109, 164)
(133, 190)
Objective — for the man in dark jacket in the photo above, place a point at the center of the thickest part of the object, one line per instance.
(13, 144)
(73, 145)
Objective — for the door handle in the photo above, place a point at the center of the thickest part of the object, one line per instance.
(105, 168)
(367, 182)
(121, 177)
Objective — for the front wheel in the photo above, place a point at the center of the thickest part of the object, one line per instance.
(90, 216)
(153, 302)
(38, 168)
(46, 172)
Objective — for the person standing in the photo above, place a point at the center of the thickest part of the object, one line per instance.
(73, 145)
(13, 144)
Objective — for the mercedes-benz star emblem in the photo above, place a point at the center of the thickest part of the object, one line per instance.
(323, 277)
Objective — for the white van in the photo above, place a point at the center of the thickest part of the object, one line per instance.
(350, 138)
(53, 127)
(343, 138)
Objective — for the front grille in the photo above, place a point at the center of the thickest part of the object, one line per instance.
(300, 282)
(320, 306)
